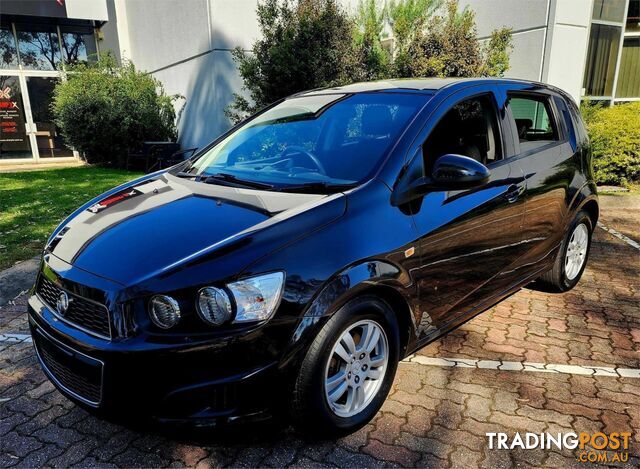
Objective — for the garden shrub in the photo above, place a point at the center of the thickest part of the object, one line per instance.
(615, 141)
(104, 110)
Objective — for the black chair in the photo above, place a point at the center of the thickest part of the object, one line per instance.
(146, 157)
(165, 161)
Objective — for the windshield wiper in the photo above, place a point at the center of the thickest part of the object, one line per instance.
(235, 181)
(316, 187)
(184, 174)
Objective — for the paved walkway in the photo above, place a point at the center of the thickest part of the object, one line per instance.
(18, 167)
(537, 362)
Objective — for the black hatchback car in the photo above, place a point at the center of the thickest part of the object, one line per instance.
(294, 261)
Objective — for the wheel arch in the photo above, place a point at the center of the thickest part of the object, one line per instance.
(399, 306)
(593, 210)
(586, 198)
(381, 279)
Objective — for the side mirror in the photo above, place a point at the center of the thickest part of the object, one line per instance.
(449, 173)
(455, 172)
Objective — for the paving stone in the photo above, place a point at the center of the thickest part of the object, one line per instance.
(343, 458)
(389, 452)
(387, 428)
(41, 420)
(75, 453)
(18, 445)
(40, 457)
(425, 445)
(11, 421)
(306, 463)
(62, 437)
(135, 458)
(419, 421)
(90, 462)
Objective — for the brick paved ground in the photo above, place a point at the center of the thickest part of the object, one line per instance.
(435, 416)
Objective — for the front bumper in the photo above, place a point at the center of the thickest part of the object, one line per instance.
(201, 382)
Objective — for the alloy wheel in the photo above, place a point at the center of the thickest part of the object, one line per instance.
(576, 251)
(356, 368)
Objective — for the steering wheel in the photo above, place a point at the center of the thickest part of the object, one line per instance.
(293, 149)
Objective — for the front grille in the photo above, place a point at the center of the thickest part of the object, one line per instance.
(76, 373)
(88, 315)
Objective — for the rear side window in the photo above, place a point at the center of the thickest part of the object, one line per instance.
(577, 121)
(534, 121)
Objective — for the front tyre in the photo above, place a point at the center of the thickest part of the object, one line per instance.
(348, 370)
(571, 259)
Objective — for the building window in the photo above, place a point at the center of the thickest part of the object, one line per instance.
(628, 75)
(78, 46)
(601, 59)
(8, 54)
(39, 47)
(609, 10)
(633, 17)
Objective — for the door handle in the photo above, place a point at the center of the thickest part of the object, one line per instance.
(513, 192)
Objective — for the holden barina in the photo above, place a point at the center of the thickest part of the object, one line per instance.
(289, 265)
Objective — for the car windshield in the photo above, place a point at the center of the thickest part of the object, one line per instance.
(316, 141)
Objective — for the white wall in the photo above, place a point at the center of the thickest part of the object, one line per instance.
(528, 21)
(568, 41)
(187, 46)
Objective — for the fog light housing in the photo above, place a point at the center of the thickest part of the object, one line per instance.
(164, 311)
(213, 306)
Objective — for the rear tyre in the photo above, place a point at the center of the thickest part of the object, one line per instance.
(348, 370)
(571, 259)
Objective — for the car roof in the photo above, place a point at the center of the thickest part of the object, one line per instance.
(412, 84)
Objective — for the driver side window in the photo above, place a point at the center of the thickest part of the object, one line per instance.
(469, 128)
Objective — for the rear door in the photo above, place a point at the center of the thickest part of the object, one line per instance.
(545, 153)
(470, 239)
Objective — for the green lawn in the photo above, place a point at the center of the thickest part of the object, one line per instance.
(32, 203)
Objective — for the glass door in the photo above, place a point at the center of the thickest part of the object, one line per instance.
(49, 142)
(15, 140)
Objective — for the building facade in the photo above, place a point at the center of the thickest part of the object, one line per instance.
(590, 48)
(37, 39)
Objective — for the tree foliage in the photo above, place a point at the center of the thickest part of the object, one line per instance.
(449, 47)
(104, 109)
(371, 59)
(409, 20)
(307, 44)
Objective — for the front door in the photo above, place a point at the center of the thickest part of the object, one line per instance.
(471, 239)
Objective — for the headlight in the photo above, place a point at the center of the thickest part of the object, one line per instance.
(164, 311)
(213, 305)
(257, 298)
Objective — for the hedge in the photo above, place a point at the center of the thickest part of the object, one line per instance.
(615, 140)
